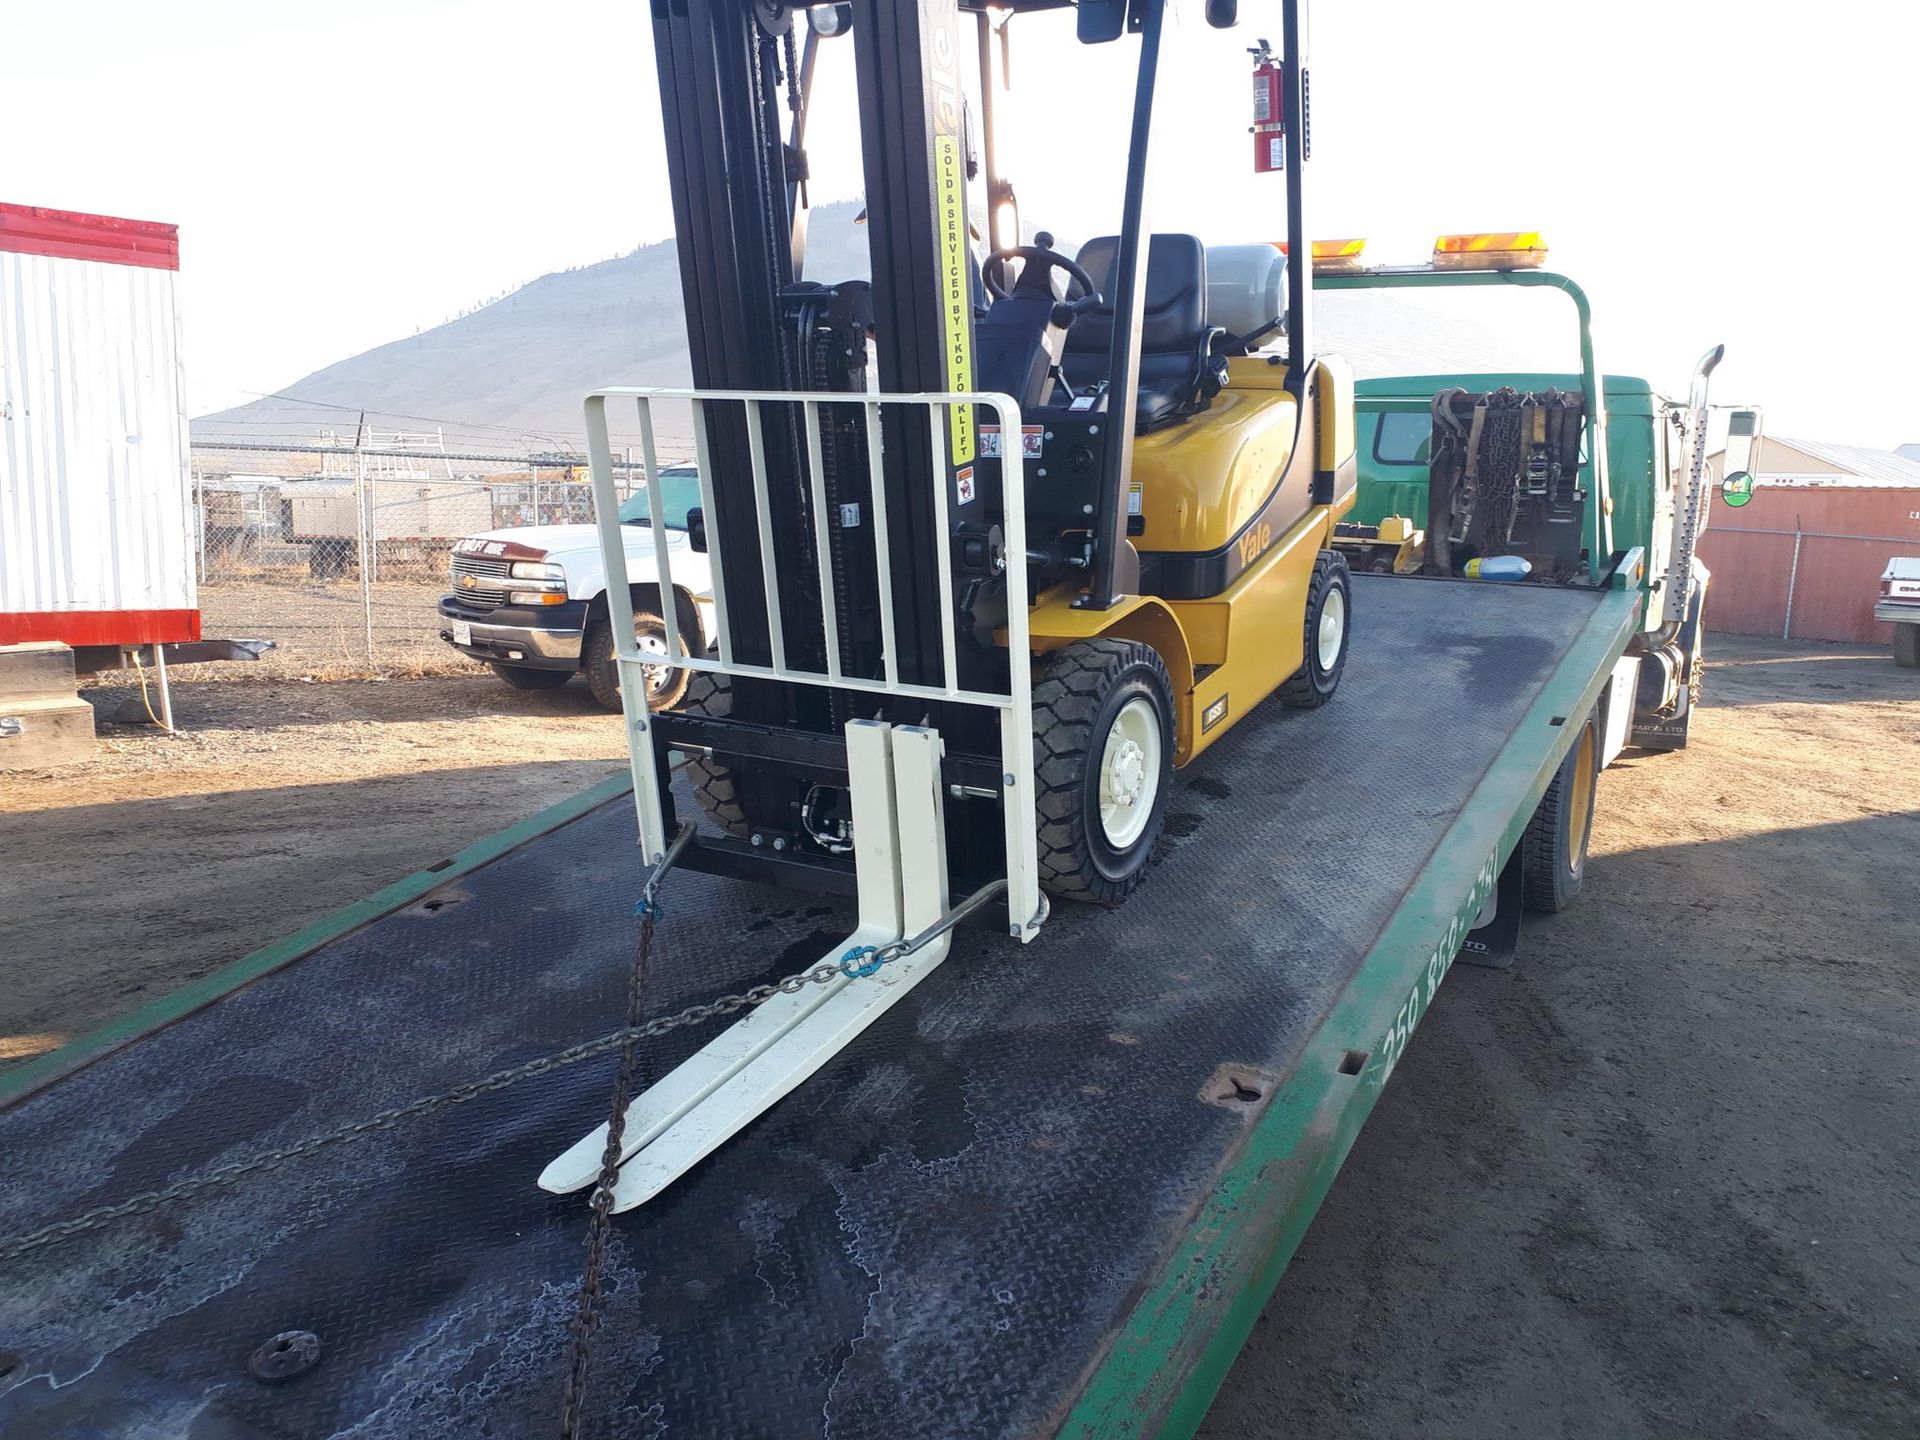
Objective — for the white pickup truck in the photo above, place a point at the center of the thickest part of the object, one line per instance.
(1899, 605)
(531, 600)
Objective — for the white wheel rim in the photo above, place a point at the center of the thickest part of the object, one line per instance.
(1333, 628)
(652, 642)
(1130, 773)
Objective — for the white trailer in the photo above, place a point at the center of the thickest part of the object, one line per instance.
(96, 529)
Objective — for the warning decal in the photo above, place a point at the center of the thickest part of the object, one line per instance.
(956, 304)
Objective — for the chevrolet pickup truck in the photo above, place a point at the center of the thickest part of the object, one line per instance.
(530, 601)
(1899, 606)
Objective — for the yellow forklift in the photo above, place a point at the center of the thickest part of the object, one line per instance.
(1178, 566)
(997, 541)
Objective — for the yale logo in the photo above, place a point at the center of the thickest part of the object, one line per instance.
(1257, 538)
(1213, 714)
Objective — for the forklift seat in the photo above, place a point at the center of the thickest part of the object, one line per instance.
(1174, 335)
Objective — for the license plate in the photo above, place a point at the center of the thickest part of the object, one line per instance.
(463, 632)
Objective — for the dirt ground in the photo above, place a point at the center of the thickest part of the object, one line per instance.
(277, 802)
(1656, 1180)
(320, 627)
(1659, 1178)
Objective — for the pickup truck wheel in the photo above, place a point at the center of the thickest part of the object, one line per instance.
(1329, 609)
(714, 785)
(1906, 645)
(1103, 764)
(665, 683)
(1553, 852)
(522, 678)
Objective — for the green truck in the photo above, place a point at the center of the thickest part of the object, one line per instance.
(1642, 458)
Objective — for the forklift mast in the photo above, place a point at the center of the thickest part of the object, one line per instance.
(732, 74)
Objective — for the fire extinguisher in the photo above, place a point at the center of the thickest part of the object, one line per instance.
(1269, 112)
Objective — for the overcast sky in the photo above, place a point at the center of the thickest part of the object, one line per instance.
(350, 172)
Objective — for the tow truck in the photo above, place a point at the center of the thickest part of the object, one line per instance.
(979, 1186)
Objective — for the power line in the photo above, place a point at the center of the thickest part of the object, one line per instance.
(250, 446)
(519, 432)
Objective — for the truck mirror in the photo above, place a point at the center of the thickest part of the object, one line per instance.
(827, 21)
(697, 530)
(1101, 21)
(1743, 437)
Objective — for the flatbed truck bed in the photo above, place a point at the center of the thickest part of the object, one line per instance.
(1046, 1194)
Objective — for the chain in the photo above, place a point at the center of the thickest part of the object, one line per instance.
(855, 964)
(586, 1314)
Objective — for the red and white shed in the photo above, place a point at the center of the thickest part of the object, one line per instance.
(96, 535)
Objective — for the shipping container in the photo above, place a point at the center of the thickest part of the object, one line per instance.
(1803, 558)
(96, 535)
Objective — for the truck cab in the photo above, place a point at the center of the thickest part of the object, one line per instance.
(1498, 465)
(530, 601)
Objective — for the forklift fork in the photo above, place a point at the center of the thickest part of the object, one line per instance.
(895, 783)
(900, 850)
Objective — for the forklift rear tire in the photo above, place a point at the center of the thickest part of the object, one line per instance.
(714, 786)
(1103, 763)
(1553, 852)
(1328, 624)
(521, 677)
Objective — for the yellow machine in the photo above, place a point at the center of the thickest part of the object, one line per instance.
(1236, 480)
(1148, 558)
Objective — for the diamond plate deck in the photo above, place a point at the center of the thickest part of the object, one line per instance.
(936, 1236)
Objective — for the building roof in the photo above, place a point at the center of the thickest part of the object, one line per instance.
(1851, 465)
(1908, 452)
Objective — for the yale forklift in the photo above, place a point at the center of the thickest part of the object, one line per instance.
(997, 541)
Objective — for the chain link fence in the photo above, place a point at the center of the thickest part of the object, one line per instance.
(338, 552)
(1798, 584)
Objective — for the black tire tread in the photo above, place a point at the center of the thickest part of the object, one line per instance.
(1906, 645)
(715, 788)
(596, 650)
(1066, 700)
(1546, 888)
(1299, 692)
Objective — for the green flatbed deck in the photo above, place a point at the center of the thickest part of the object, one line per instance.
(1047, 1194)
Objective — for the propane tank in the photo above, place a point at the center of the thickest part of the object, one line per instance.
(1499, 567)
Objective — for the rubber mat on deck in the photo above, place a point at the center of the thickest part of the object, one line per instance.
(936, 1236)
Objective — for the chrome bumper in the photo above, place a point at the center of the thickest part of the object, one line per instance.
(1897, 612)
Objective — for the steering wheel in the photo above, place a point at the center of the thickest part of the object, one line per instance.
(993, 274)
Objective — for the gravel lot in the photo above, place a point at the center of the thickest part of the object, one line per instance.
(1657, 1180)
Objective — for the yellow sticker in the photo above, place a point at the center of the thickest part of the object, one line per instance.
(956, 301)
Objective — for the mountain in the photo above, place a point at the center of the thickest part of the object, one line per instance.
(508, 377)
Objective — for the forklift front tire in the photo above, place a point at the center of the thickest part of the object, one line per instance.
(1103, 764)
(1328, 623)
(715, 787)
